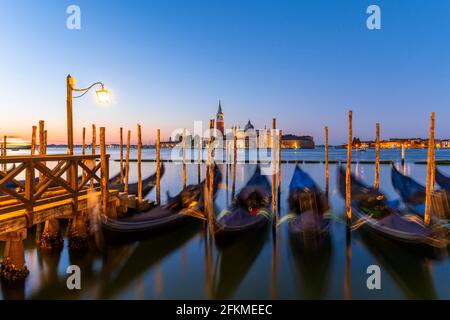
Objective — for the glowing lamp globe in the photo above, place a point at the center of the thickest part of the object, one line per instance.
(103, 96)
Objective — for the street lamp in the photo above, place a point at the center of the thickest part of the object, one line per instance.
(103, 96)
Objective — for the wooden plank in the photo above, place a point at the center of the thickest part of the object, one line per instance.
(63, 209)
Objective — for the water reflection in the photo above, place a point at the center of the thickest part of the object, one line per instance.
(154, 250)
(235, 261)
(183, 264)
(312, 267)
(411, 272)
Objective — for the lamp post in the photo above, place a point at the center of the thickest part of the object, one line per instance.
(102, 97)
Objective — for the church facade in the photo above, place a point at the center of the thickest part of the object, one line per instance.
(250, 138)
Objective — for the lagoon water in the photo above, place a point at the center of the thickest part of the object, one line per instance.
(180, 265)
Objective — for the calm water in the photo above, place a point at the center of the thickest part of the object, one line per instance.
(180, 266)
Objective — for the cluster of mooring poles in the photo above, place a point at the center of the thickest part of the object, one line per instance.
(48, 235)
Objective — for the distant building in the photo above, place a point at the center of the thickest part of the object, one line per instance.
(445, 143)
(220, 124)
(397, 143)
(290, 141)
(169, 144)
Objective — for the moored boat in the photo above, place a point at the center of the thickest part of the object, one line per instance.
(372, 210)
(184, 208)
(249, 213)
(307, 207)
(413, 194)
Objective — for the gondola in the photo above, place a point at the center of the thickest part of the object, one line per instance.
(371, 209)
(413, 193)
(249, 213)
(443, 181)
(184, 208)
(307, 206)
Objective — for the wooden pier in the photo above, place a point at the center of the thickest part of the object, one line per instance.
(48, 198)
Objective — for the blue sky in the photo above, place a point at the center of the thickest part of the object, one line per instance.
(168, 62)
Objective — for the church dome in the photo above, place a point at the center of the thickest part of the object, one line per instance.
(248, 126)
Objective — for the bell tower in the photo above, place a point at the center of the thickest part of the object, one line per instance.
(220, 124)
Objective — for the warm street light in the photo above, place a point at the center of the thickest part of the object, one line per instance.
(102, 97)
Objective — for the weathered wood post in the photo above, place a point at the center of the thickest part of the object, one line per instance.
(233, 182)
(327, 173)
(33, 140)
(199, 159)
(139, 165)
(348, 190)
(78, 233)
(121, 155)
(93, 150)
(158, 167)
(51, 236)
(127, 161)
(377, 157)
(13, 266)
(184, 157)
(274, 177)
(427, 217)
(4, 152)
(403, 155)
(45, 140)
(83, 141)
(41, 176)
(104, 174)
(211, 170)
(433, 163)
(83, 147)
(280, 139)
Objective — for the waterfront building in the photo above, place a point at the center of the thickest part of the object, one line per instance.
(290, 141)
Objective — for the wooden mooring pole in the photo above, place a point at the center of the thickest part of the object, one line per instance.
(33, 140)
(348, 192)
(280, 140)
(327, 174)
(83, 145)
(158, 167)
(377, 157)
(139, 163)
(104, 174)
(199, 158)
(121, 155)
(274, 177)
(430, 167)
(93, 149)
(4, 152)
(51, 237)
(41, 176)
(184, 158)
(127, 160)
(233, 181)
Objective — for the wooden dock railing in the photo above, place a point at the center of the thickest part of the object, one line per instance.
(51, 186)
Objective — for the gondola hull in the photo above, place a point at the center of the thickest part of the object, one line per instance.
(249, 213)
(225, 236)
(116, 232)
